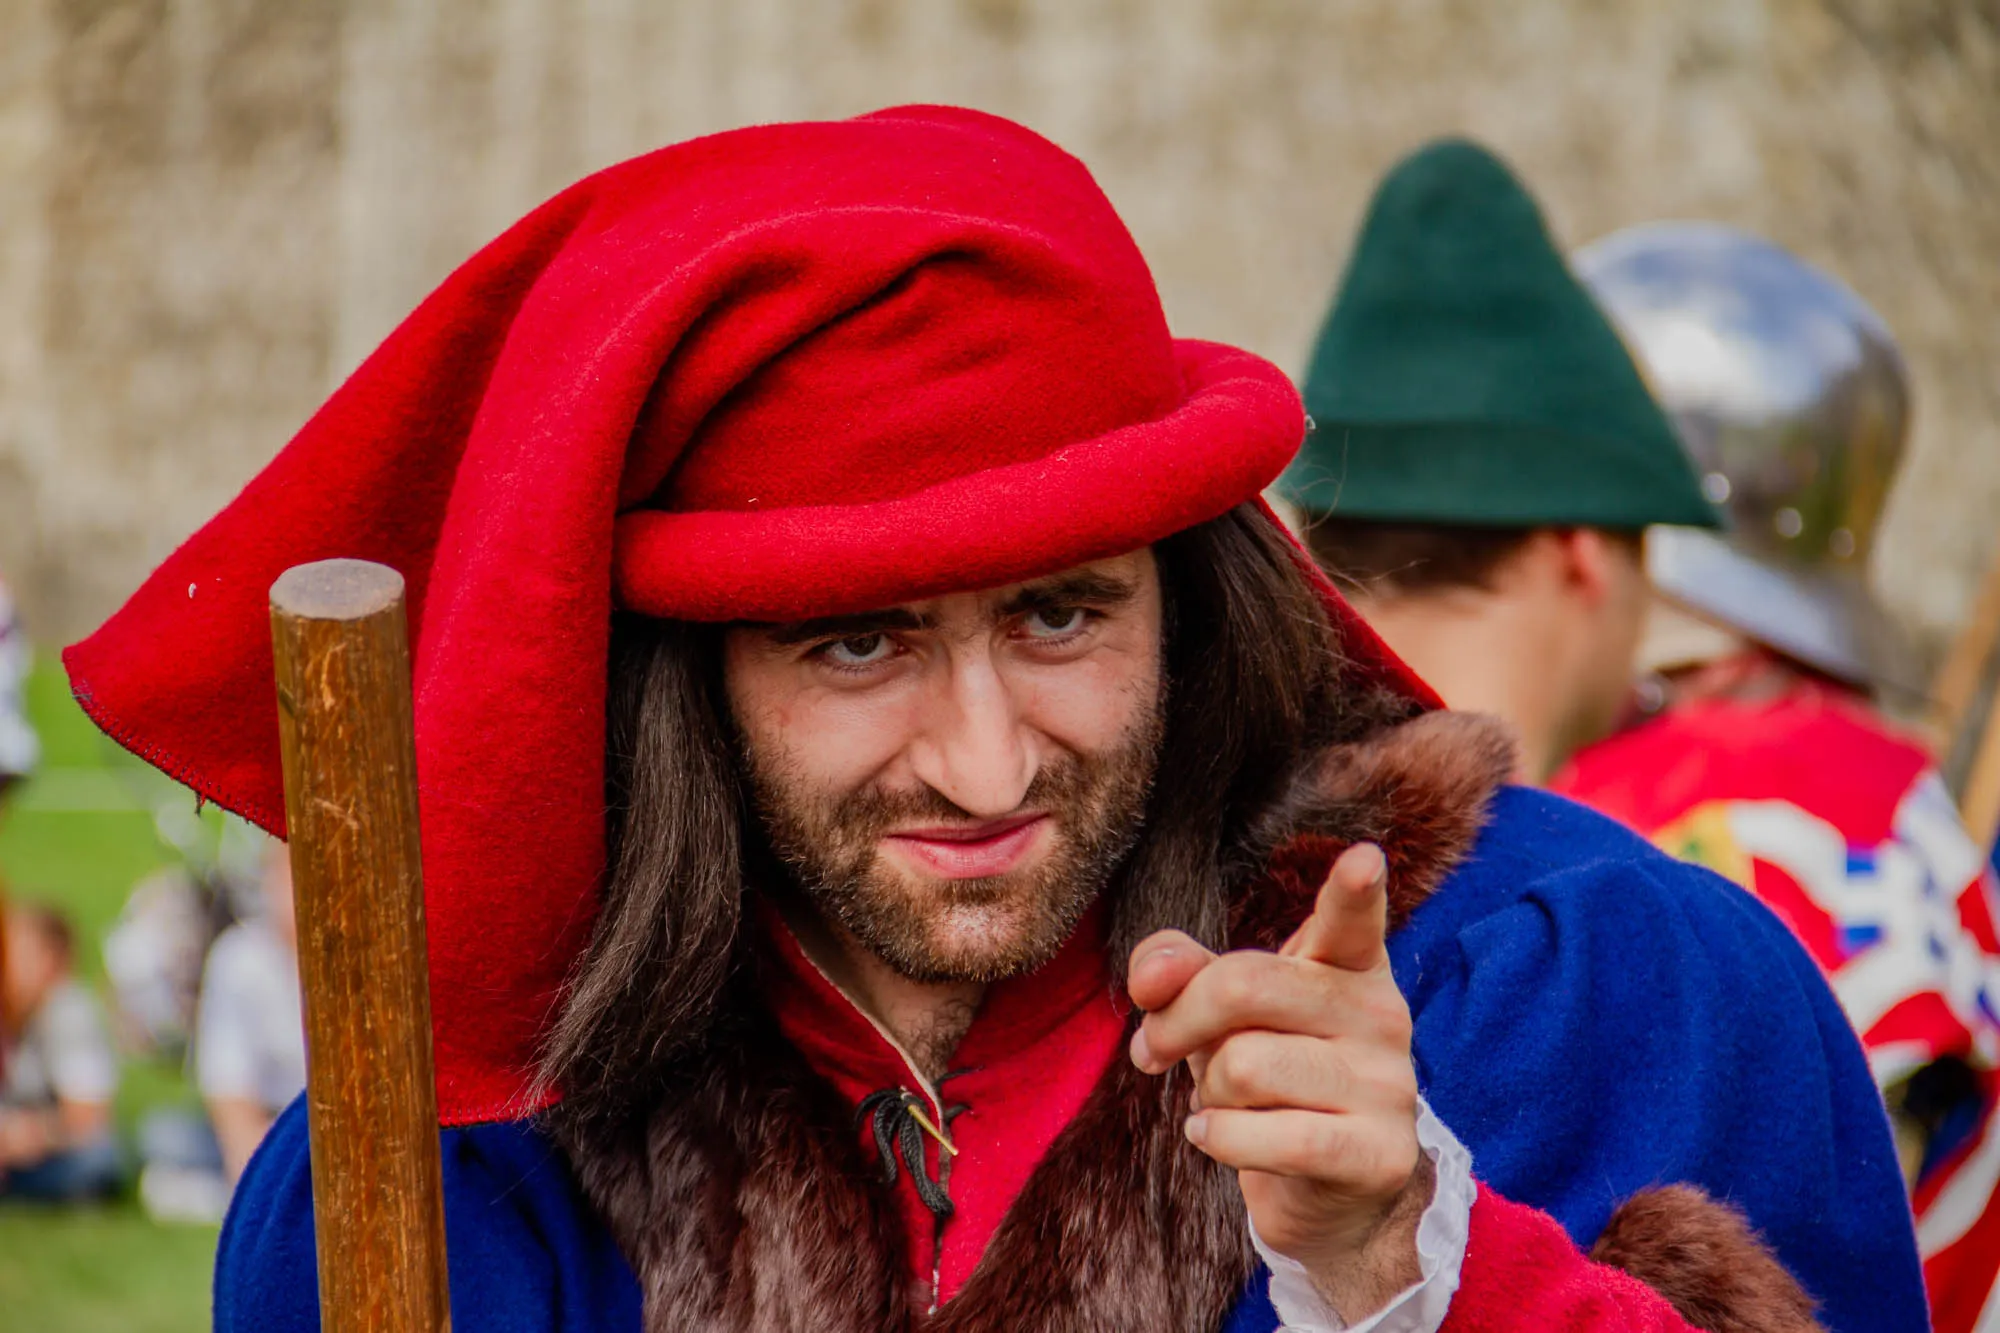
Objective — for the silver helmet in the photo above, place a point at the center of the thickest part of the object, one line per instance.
(1790, 394)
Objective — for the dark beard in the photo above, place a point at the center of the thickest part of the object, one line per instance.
(828, 842)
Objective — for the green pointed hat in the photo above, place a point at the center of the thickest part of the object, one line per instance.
(1465, 377)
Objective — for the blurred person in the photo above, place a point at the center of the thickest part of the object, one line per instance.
(155, 951)
(858, 692)
(1763, 754)
(248, 1054)
(56, 1138)
(19, 749)
(1485, 457)
(249, 1049)
(153, 958)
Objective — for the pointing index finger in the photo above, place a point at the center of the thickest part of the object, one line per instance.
(1350, 920)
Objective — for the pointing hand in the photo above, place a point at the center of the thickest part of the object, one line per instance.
(1303, 1082)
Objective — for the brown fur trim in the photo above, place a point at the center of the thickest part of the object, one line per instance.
(1123, 1225)
(746, 1203)
(1704, 1257)
(743, 1203)
(1420, 790)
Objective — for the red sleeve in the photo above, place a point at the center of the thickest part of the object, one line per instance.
(1522, 1272)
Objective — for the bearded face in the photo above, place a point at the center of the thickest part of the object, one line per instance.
(953, 782)
(1031, 875)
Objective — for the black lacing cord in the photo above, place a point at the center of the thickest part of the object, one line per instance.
(892, 1114)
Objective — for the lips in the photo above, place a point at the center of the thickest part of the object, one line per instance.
(971, 851)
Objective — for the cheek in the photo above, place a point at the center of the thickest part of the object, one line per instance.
(1092, 705)
(832, 740)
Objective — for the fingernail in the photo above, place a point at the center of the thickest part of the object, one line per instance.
(1194, 1100)
(1161, 951)
(1196, 1129)
(1142, 1051)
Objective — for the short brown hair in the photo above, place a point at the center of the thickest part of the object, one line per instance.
(1420, 557)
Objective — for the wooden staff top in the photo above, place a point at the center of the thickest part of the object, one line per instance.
(337, 590)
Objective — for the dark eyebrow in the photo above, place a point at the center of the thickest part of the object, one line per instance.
(1083, 588)
(846, 627)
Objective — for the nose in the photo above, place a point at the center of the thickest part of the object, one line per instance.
(974, 747)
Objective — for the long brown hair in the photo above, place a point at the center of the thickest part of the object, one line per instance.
(1254, 679)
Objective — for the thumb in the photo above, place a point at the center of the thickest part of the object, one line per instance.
(1350, 920)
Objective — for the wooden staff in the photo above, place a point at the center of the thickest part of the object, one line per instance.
(1956, 684)
(1979, 805)
(1953, 691)
(343, 666)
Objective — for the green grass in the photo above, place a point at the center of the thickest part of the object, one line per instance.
(80, 835)
(102, 1269)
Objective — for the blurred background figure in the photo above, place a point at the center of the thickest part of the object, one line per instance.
(156, 949)
(1485, 457)
(250, 1047)
(18, 747)
(247, 1051)
(56, 1137)
(1763, 755)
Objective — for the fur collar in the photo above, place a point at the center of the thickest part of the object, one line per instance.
(744, 1201)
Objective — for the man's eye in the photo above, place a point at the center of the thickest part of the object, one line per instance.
(1054, 622)
(861, 650)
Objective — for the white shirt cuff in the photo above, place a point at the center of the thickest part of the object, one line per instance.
(1441, 1235)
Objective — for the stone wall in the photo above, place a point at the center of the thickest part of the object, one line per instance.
(210, 209)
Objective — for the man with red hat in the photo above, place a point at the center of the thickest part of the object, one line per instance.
(909, 841)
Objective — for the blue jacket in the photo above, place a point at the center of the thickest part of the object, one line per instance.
(1591, 1018)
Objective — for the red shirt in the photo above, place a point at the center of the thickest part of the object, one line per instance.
(1035, 1051)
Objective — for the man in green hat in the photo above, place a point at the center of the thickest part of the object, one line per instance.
(1486, 456)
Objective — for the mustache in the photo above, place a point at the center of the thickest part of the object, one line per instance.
(1061, 785)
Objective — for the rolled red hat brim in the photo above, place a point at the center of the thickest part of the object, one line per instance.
(1100, 497)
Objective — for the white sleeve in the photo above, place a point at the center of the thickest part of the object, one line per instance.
(18, 747)
(1441, 1235)
(82, 1063)
(225, 1047)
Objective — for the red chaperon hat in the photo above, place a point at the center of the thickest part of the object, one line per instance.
(786, 371)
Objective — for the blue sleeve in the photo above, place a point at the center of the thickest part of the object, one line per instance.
(525, 1253)
(1615, 1020)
